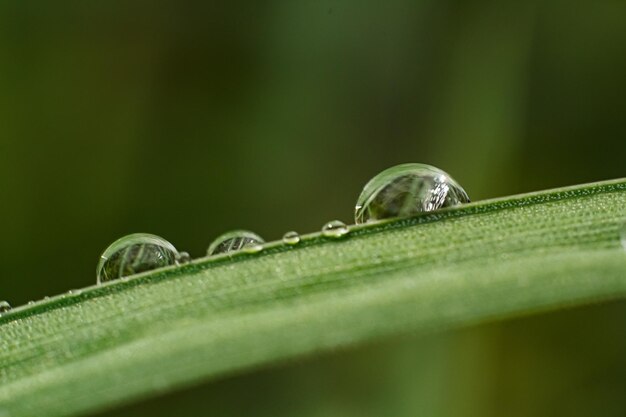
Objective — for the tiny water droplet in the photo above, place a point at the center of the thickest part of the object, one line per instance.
(291, 238)
(4, 306)
(234, 241)
(406, 190)
(252, 247)
(183, 258)
(133, 254)
(75, 292)
(30, 303)
(335, 229)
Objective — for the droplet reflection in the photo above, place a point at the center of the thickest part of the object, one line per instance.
(406, 190)
(133, 254)
(234, 241)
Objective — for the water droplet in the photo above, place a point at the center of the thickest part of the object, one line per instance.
(133, 254)
(291, 238)
(623, 235)
(183, 258)
(234, 241)
(406, 190)
(30, 303)
(4, 307)
(252, 247)
(335, 229)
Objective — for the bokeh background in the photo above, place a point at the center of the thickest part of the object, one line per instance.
(189, 118)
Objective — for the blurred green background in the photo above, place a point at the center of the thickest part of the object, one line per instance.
(189, 118)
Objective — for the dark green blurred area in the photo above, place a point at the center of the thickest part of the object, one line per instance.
(187, 119)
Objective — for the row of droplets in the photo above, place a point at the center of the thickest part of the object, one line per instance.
(142, 252)
(401, 191)
(5, 306)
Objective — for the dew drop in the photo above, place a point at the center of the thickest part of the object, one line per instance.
(335, 229)
(252, 247)
(406, 190)
(623, 235)
(234, 241)
(183, 258)
(4, 307)
(133, 254)
(291, 238)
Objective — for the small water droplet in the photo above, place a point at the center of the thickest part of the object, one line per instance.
(30, 303)
(183, 258)
(406, 190)
(4, 306)
(623, 235)
(133, 254)
(234, 241)
(75, 292)
(252, 247)
(291, 238)
(335, 229)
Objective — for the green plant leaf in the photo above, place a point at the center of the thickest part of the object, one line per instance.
(134, 338)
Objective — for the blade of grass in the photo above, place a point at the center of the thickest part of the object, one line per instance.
(488, 260)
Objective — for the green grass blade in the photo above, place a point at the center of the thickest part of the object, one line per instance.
(484, 261)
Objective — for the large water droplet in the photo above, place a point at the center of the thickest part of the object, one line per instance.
(335, 229)
(405, 190)
(133, 254)
(291, 238)
(4, 307)
(234, 241)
